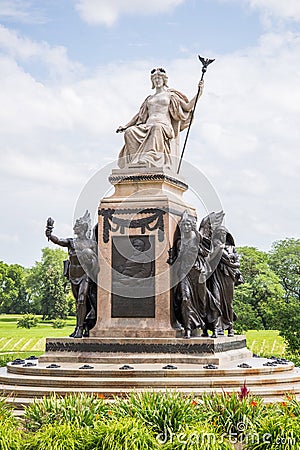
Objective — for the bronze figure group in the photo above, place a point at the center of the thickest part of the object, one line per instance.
(206, 267)
(204, 262)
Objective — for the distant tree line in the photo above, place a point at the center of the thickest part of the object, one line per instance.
(269, 298)
(41, 289)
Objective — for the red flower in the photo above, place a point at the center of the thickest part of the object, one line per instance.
(253, 403)
(244, 391)
(194, 402)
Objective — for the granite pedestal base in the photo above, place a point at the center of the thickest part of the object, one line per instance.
(150, 350)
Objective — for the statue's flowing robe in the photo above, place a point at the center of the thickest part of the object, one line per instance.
(150, 144)
(194, 306)
(221, 285)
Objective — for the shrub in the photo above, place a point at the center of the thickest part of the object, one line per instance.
(79, 409)
(163, 412)
(294, 357)
(231, 413)
(56, 437)
(27, 321)
(6, 413)
(10, 437)
(59, 323)
(274, 432)
(289, 407)
(124, 433)
(199, 437)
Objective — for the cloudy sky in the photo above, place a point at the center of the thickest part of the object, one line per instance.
(72, 71)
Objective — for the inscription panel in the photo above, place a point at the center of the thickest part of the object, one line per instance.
(133, 282)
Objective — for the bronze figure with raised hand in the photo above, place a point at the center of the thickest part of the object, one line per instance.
(81, 270)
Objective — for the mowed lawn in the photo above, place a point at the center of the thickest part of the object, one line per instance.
(20, 340)
(265, 342)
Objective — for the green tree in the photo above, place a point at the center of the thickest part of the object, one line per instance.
(14, 294)
(284, 259)
(257, 300)
(47, 284)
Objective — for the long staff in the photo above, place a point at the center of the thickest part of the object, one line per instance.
(205, 64)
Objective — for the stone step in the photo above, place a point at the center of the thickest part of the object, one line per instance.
(272, 391)
(149, 370)
(130, 381)
(22, 383)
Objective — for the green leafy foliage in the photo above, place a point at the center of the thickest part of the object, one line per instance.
(79, 409)
(6, 414)
(47, 284)
(125, 433)
(59, 323)
(199, 437)
(274, 432)
(163, 413)
(289, 326)
(66, 436)
(284, 259)
(10, 437)
(14, 293)
(27, 321)
(231, 413)
(210, 422)
(261, 296)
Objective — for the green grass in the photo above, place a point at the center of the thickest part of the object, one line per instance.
(265, 342)
(20, 342)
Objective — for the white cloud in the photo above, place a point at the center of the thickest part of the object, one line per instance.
(289, 9)
(106, 12)
(24, 49)
(20, 11)
(282, 9)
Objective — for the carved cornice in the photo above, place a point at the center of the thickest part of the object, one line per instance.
(114, 179)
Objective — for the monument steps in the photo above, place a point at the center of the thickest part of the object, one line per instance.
(132, 380)
(271, 391)
(151, 370)
(23, 384)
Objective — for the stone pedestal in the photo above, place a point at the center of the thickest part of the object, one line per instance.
(147, 205)
(115, 350)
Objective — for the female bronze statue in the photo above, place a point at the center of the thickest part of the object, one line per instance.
(149, 134)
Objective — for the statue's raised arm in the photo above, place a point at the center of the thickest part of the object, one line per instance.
(81, 269)
(152, 135)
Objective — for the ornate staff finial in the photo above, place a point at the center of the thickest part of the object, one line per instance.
(205, 64)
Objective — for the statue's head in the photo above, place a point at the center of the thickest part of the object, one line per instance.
(83, 225)
(187, 222)
(222, 235)
(138, 244)
(159, 72)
